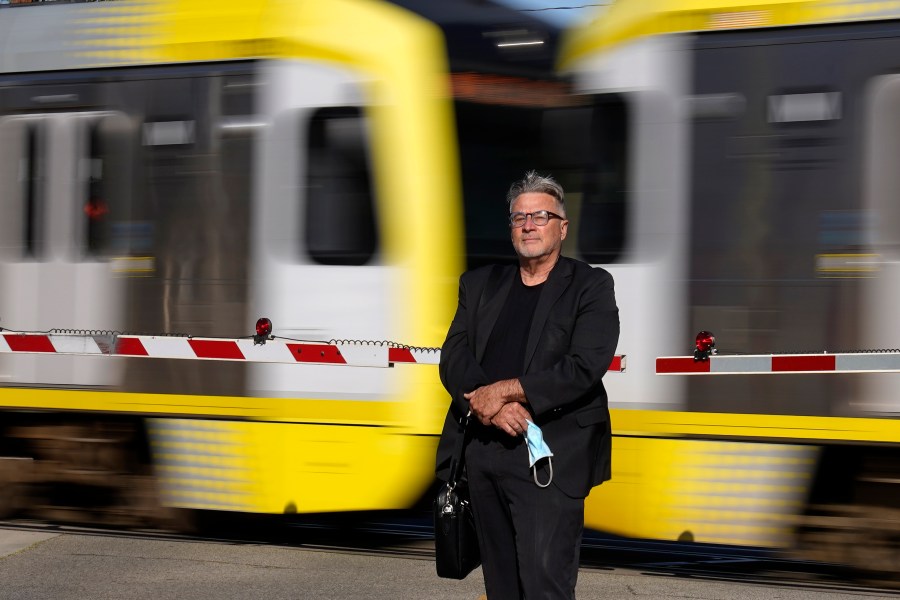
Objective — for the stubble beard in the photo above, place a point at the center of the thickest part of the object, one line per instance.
(528, 251)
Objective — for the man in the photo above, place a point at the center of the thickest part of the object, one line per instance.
(531, 343)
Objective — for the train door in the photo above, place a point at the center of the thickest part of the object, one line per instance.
(63, 179)
(189, 227)
(640, 90)
(776, 204)
(881, 186)
(320, 263)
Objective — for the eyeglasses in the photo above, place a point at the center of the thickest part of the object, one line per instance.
(538, 217)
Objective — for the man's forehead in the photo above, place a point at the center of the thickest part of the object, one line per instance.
(538, 200)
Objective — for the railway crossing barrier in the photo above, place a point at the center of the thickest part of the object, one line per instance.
(262, 347)
(706, 361)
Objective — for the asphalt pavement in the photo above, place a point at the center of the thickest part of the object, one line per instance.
(42, 565)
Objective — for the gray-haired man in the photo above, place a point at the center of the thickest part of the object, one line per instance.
(531, 343)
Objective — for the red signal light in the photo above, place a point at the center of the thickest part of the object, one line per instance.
(705, 343)
(263, 330)
(263, 326)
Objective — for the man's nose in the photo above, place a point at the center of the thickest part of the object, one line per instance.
(529, 222)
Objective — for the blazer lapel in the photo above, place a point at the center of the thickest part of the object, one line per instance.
(556, 284)
(491, 303)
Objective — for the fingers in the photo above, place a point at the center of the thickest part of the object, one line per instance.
(515, 428)
(511, 419)
(520, 415)
(483, 404)
(478, 409)
(506, 426)
(488, 406)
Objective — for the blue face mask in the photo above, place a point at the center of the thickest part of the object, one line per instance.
(537, 449)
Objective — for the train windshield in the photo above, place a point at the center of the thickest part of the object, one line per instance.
(508, 127)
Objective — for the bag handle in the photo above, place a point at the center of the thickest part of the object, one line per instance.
(456, 461)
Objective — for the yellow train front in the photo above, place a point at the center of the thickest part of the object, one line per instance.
(189, 166)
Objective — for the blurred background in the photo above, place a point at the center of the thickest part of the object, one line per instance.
(186, 166)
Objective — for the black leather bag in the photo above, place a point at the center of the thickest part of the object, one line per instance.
(455, 545)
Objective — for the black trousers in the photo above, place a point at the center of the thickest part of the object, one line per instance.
(529, 537)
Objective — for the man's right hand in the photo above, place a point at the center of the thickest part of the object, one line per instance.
(512, 419)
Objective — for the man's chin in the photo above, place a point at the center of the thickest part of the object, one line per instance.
(531, 252)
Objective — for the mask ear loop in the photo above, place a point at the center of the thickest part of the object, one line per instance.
(534, 474)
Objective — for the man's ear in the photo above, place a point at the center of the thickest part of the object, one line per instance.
(564, 229)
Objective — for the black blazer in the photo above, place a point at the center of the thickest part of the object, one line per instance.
(572, 340)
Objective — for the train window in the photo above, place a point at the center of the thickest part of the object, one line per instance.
(237, 95)
(30, 181)
(20, 186)
(497, 145)
(602, 217)
(96, 209)
(107, 167)
(579, 140)
(882, 175)
(340, 223)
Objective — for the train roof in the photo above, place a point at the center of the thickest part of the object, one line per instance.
(482, 35)
(627, 20)
(62, 36)
(479, 35)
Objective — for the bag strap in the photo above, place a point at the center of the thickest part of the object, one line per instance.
(456, 461)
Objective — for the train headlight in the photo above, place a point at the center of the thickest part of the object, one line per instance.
(263, 330)
(705, 343)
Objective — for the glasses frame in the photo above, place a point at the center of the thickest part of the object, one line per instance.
(550, 217)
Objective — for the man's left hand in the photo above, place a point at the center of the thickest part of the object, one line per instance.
(513, 419)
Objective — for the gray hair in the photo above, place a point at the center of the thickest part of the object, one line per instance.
(540, 184)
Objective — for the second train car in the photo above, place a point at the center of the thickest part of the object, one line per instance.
(748, 151)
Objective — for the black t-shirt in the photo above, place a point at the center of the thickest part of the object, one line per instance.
(504, 355)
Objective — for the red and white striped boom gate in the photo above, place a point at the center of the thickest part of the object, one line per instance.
(269, 350)
(887, 361)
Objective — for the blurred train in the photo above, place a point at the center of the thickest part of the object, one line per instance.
(749, 150)
(188, 165)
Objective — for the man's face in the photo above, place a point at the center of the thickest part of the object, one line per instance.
(533, 241)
